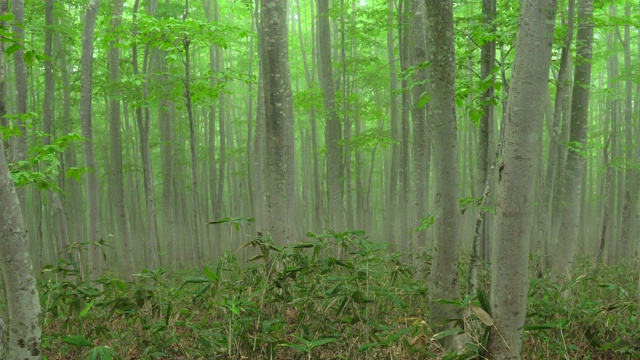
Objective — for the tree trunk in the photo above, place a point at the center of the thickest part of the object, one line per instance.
(143, 129)
(564, 79)
(631, 175)
(421, 132)
(574, 173)
(333, 131)
(19, 143)
(20, 290)
(116, 174)
(444, 283)
(93, 205)
(391, 204)
(515, 198)
(279, 117)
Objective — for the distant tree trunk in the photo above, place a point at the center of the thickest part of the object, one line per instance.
(318, 202)
(116, 174)
(72, 199)
(186, 42)
(333, 131)
(391, 204)
(86, 95)
(404, 36)
(444, 283)
(143, 128)
(631, 175)
(482, 185)
(216, 211)
(279, 117)
(515, 198)
(60, 227)
(564, 79)
(607, 194)
(421, 132)
(574, 174)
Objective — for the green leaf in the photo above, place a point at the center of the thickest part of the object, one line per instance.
(213, 276)
(444, 334)
(324, 341)
(77, 340)
(367, 346)
(12, 49)
(103, 353)
(86, 309)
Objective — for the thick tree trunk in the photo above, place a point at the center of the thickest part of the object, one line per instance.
(22, 299)
(574, 174)
(444, 282)
(515, 198)
(279, 118)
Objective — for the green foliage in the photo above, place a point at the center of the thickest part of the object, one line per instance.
(43, 163)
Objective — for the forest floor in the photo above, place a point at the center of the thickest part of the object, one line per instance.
(331, 297)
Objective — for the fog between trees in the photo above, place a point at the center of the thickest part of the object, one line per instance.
(148, 134)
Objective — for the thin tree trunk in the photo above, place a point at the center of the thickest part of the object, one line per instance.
(333, 131)
(143, 128)
(391, 204)
(116, 174)
(93, 206)
(421, 130)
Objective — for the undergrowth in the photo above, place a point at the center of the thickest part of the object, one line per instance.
(333, 296)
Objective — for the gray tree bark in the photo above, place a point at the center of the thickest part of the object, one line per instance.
(444, 282)
(574, 173)
(23, 303)
(279, 117)
(421, 130)
(631, 174)
(563, 82)
(86, 94)
(391, 199)
(143, 128)
(515, 197)
(333, 130)
(116, 174)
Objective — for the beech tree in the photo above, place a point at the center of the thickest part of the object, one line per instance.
(515, 203)
(574, 176)
(86, 99)
(279, 116)
(443, 283)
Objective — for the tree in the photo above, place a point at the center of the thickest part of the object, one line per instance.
(278, 103)
(333, 130)
(421, 131)
(23, 302)
(574, 173)
(515, 197)
(115, 124)
(442, 111)
(86, 98)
